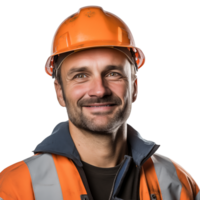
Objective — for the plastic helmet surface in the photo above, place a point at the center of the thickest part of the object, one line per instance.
(92, 26)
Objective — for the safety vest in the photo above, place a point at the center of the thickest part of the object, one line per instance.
(49, 177)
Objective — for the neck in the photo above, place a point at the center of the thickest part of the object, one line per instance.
(100, 150)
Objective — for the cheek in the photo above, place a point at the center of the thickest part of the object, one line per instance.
(118, 89)
(122, 90)
(74, 93)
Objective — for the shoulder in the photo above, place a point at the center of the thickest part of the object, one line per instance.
(172, 178)
(15, 181)
(13, 172)
(169, 166)
(19, 169)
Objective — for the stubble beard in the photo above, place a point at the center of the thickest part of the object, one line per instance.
(89, 122)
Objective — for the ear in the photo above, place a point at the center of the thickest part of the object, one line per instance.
(135, 90)
(59, 93)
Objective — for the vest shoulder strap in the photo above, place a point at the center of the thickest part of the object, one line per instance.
(54, 177)
(167, 180)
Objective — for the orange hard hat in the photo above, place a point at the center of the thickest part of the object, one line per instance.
(89, 28)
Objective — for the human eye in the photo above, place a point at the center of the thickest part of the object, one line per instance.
(114, 73)
(77, 75)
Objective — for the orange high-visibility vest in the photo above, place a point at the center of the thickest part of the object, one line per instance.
(49, 177)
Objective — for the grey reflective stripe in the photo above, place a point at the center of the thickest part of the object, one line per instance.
(1, 198)
(44, 177)
(169, 182)
(198, 196)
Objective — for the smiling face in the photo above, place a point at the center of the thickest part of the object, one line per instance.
(98, 90)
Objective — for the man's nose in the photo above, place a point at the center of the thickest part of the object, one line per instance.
(99, 88)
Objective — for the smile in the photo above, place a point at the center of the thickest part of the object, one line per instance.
(102, 107)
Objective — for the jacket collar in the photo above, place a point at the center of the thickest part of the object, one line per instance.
(61, 143)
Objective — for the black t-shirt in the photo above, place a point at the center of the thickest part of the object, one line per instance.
(100, 181)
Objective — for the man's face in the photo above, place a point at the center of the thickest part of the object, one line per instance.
(98, 89)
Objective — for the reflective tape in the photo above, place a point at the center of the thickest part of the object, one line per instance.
(198, 196)
(1, 198)
(44, 177)
(169, 182)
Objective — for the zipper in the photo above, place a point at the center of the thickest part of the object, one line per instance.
(146, 158)
(110, 197)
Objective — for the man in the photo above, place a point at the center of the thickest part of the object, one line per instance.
(99, 133)
(96, 154)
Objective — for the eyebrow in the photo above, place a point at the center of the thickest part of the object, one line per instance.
(107, 68)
